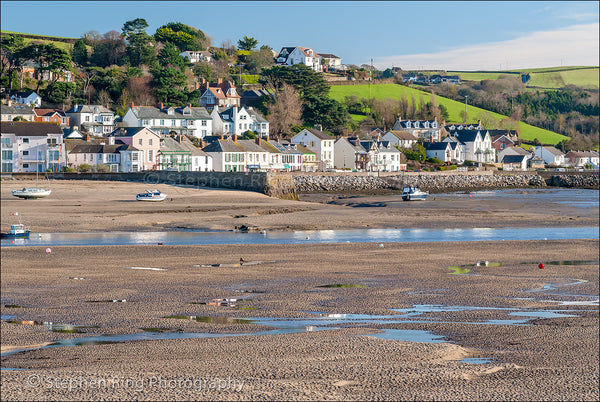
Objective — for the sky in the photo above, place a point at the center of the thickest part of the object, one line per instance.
(445, 35)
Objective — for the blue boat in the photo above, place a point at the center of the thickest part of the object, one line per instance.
(17, 231)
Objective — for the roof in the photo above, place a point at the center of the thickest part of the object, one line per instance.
(513, 159)
(222, 146)
(436, 146)
(89, 109)
(552, 150)
(257, 117)
(303, 149)
(255, 93)
(581, 154)
(187, 144)
(328, 56)
(101, 148)
(251, 146)
(16, 108)
(48, 112)
(318, 133)
(30, 129)
(465, 135)
(169, 144)
(128, 131)
(403, 135)
(24, 94)
(152, 112)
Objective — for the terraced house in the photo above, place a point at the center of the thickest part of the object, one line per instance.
(95, 119)
(143, 139)
(238, 120)
(118, 157)
(32, 147)
(186, 120)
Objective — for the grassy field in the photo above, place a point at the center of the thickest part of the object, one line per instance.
(395, 91)
(585, 78)
(45, 39)
(480, 76)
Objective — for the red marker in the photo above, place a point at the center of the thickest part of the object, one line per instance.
(541, 265)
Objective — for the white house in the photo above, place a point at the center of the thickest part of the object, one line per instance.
(291, 156)
(27, 98)
(95, 119)
(514, 162)
(331, 62)
(429, 130)
(550, 155)
(197, 56)
(512, 151)
(118, 157)
(289, 56)
(403, 139)
(582, 158)
(383, 157)
(477, 145)
(187, 120)
(440, 150)
(236, 121)
(227, 156)
(350, 155)
(319, 142)
(32, 147)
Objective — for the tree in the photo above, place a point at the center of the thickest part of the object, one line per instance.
(169, 86)
(108, 50)
(285, 109)
(49, 59)
(59, 92)
(140, 49)
(12, 47)
(134, 27)
(331, 114)
(79, 54)
(256, 61)
(203, 70)
(464, 115)
(86, 75)
(247, 43)
(183, 36)
(169, 57)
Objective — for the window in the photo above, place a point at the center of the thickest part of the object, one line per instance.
(227, 157)
(144, 122)
(26, 166)
(25, 140)
(150, 155)
(134, 156)
(51, 141)
(25, 153)
(87, 118)
(7, 167)
(234, 157)
(204, 122)
(241, 157)
(162, 122)
(7, 155)
(150, 142)
(173, 123)
(140, 141)
(53, 156)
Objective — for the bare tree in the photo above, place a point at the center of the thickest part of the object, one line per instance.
(104, 98)
(285, 109)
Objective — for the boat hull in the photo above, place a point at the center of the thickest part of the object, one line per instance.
(413, 197)
(15, 236)
(31, 194)
(143, 197)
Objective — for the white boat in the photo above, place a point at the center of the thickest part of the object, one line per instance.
(414, 194)
(31, 193)
(151, 195)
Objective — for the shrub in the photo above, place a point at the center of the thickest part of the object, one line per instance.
(84, 167)
(434, 160)
(67, 169)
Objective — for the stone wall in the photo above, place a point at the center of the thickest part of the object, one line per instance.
(438, 182)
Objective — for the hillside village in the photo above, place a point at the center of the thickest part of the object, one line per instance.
(228, 125)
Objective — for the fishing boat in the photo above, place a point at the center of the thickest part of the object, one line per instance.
(414, 194)
(151, 195)
(17, 231)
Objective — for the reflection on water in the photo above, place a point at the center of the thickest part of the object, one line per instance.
(299, 237)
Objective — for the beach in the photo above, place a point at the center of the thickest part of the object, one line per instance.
(467, 294)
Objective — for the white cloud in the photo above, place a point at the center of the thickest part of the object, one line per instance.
(572, 46)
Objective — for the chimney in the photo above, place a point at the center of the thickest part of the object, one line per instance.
(201, 143)
(221, 137)
(131, 105)
(160, 105)
(219, 81)
(257, 140)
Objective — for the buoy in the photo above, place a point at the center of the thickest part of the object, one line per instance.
(307, 237)
(48, 250)
(541, 265)
(381, 245)
(469, 195)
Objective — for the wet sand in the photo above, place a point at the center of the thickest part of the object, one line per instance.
(551, 359)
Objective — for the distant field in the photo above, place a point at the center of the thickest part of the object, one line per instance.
(585, 78)
(59, 42)
(395, 91)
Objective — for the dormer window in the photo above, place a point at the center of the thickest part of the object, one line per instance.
(171, 111)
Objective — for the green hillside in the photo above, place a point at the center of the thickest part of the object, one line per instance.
(60, 42)
(395, 91)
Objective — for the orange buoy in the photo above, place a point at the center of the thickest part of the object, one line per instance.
(541, 265)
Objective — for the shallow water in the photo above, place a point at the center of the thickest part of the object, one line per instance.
(303, 237)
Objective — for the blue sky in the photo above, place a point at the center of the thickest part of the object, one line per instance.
(432, 34)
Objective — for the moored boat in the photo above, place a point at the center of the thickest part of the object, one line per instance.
(414, 194)
(17, 231)
(151, 195)
(31, 193)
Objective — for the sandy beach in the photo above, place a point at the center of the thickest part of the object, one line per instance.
(548, 352)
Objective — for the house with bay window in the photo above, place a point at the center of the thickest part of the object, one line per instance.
(319, 142)
(186, 120)
(288, 56)
(141, 138)
(476, 145)
(95, 119)
(237, 120)
(32, 147)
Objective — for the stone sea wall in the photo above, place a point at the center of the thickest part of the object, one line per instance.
(437, 182)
